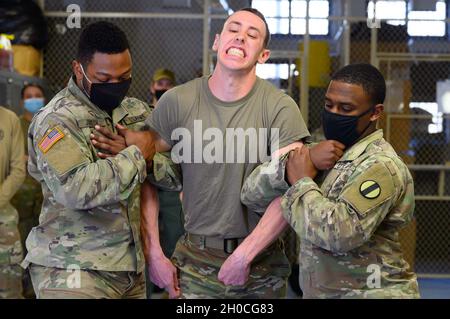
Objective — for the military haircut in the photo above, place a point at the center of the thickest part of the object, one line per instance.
(261, 16)
(102, 37)
(365, 75)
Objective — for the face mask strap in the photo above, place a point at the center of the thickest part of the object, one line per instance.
(370, 122)
(371, 109)
(82, 84)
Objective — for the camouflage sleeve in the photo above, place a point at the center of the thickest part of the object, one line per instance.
(347, 222)
(16, 165)
(77, 179)
(165, 175)
(264, 184)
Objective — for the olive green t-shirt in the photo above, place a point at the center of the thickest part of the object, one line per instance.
(218, 144)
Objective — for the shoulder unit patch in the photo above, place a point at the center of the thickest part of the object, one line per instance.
(370, 189)
(52, 136)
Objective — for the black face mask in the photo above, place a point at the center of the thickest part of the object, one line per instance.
(342, 128)
(107, 96)
(159, 93)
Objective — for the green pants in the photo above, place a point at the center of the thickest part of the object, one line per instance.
(55, 283)
(10, 254)
(199, 268)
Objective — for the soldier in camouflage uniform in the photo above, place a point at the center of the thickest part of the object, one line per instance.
(348, 227)
(28, 200)
(12, 174)
(87, 244)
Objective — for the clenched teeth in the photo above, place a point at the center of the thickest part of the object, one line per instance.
(236, 52)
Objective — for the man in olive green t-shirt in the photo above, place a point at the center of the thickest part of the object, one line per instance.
(219, 125)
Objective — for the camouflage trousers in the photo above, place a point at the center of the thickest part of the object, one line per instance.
(199, 267)
(10, 254)
(55, 283)
(11, 282)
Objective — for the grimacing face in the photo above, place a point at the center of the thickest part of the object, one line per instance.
(351, 100)
(240, 44)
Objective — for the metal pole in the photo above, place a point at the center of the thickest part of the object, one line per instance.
(290, 78)
(206, 31)
(304, 87)
(373, 40)
(41, 4)
(347, 5)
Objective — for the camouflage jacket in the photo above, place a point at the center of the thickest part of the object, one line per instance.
(348, 227)
(90, 217)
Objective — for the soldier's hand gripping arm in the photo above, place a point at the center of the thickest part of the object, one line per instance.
(17, 172)
(162, 272)
(165, 174)
(115, 143)
(77, 180)
(348, 221)
(268, 180)
(262, 187)
(235, 269)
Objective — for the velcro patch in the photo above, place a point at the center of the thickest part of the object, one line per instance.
(371, 188)
(52, 136)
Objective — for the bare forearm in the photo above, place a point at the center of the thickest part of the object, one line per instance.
(269, 228)
(161, 145)
(149, 220)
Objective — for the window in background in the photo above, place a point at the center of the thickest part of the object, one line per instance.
(432, 108)
(274, 70)
(395, 13)
(288, 16)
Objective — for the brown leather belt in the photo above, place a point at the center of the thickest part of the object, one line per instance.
(227, 244)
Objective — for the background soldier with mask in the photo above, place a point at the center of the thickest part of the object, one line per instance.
(28, 200)
(90, 218)
(12, 174)
(348, 227)
(162, 81)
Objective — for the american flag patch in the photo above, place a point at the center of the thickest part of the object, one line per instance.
(53, 136)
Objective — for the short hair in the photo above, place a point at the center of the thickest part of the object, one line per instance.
(26, 86)
(365, 75)
(261, 16)
(103, 37)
